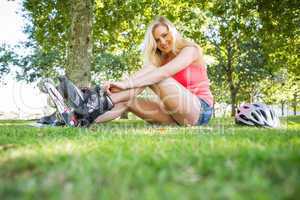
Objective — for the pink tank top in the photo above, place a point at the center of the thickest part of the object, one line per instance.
(194, 78)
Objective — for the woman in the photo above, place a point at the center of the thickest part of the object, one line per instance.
(175, 70)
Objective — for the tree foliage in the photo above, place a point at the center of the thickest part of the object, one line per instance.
(7, 57)
(251, 40)
(281, 32)
(233, 34)
(281, 39)
(117, 30)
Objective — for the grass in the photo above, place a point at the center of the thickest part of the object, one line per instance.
(133, 160)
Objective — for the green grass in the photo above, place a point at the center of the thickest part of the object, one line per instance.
(133, 160)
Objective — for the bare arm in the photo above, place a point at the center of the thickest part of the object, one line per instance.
(111, 87)
(142, 72)
(187, 56)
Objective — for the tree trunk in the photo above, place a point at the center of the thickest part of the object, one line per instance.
(80, 43)
(295, 104)
(282, 108)
(233, 101)
(229, 74)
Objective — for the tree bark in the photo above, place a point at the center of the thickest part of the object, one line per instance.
(229, 74)
(295, 104)
(282, 108)
(80, 43)
(233, 94)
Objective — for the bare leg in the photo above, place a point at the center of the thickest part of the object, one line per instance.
(182, 105)
(125, 95)
(148, 110)
(179, 104)
(114, 113)
(120, 100)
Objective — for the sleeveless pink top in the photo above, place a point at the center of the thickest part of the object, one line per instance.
(194, 78)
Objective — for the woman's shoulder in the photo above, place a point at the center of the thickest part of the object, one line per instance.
(198, 52)
(192, 48)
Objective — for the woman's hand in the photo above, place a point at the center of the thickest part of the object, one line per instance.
(119, 85)
(112, 87)
(106, 87)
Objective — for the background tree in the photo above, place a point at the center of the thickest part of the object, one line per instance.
(250, 40)
(232, 31)
(7, 57)
(80, 43)
(281, 39)
(117, 33)
(47, 29)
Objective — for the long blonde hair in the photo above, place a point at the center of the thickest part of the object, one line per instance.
(152, 55)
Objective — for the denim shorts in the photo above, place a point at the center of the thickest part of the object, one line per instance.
(206, 113)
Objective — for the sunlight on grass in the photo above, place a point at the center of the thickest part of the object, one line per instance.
(131, 159)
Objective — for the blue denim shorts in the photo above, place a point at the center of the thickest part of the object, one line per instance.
(206, 113)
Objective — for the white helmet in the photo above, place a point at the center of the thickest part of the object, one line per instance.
(257, 114)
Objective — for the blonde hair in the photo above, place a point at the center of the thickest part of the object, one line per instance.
(152, 55)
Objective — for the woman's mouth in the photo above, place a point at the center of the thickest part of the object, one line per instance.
(165, 46)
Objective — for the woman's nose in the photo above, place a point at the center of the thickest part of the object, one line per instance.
(162, 41)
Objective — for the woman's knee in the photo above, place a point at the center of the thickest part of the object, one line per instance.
(167, 82)
(139, 90)
(131, 104)
(120, 107)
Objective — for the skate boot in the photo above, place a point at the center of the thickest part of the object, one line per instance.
(63, 111)
(87, 104)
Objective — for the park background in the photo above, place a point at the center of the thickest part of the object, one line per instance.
(251, 48)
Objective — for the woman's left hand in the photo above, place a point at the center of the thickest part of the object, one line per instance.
(119, 84)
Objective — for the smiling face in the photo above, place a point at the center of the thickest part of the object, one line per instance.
(163, 38)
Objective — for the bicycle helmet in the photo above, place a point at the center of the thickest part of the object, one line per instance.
(257, 114)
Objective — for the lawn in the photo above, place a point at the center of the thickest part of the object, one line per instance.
(134, 160)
